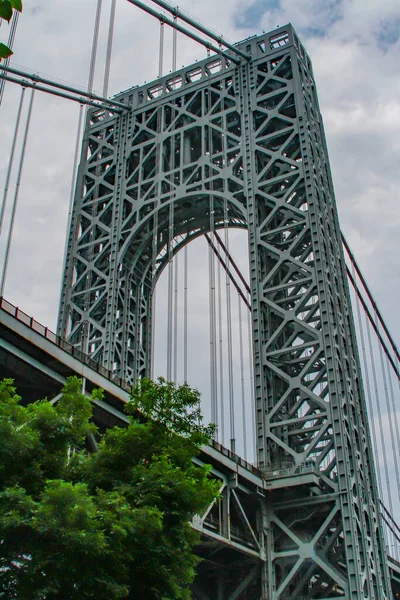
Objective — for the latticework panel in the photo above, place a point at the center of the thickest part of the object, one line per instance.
(218, 145)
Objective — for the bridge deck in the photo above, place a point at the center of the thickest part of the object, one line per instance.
(40, 362)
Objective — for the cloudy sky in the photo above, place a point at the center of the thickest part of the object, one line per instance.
(355, 49)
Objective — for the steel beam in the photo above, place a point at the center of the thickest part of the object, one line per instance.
(85, 97)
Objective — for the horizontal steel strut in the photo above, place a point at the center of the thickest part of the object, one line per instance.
(85, 98)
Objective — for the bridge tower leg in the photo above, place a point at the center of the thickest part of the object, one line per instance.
(244, 144)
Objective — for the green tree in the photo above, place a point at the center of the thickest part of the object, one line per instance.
(7, 8)
(105, 525)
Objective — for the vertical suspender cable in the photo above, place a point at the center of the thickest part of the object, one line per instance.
(385, 387)
(11, 159)
(185, 311)
(175, 341)
(242, 377)
(211, 260)
(95, 42)
(109, 48)
(229, 326)
(161, 50)
(174, 45)
(16, 194)
(369, 393)
(153, 291)
(72, 187)
(170, 291)
(381, 433)
(92, 69)
(394, 412)
(10, 44)
(213, 383)
(221, 358)
(251, 373)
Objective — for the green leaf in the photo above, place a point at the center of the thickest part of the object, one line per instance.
(5, 52)
(5, 10)
(17, 5)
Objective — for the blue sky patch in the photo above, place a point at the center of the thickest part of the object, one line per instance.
(251, 17)
(389, 33)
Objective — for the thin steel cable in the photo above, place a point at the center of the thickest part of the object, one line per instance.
(371, 299)
(212, 316)
(175, 341)
(11, 159)
(369, 393)
(212, 326)
(170, 292)
(374, 326)
(161, 50)
(382, 438)
(10, 44)
(174, 45)
(110, 40)
(251, 374)
(229, 328)
(392, 438)
(72, 190)
(185, 313)
(16, 194)
(153, 292)
(395, 412)
(95, 42)
(244, 428)
(221, 357)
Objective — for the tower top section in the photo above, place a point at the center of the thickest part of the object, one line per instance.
(256, 47)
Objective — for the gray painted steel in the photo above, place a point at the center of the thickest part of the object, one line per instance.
(248, 141)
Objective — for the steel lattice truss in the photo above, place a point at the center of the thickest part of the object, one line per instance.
(244, 145)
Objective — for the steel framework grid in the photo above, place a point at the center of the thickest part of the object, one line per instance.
(242, 145)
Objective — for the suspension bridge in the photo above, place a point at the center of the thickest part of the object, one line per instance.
(222, 166)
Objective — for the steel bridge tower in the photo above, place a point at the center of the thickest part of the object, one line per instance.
(243, 144)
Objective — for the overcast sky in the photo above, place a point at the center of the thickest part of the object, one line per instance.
(355, 49)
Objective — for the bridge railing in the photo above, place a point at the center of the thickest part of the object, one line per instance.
(49, 335)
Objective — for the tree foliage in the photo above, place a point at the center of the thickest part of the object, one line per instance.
(113, 524)
(7, 8)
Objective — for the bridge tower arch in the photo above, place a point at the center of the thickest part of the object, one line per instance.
(219, 144)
